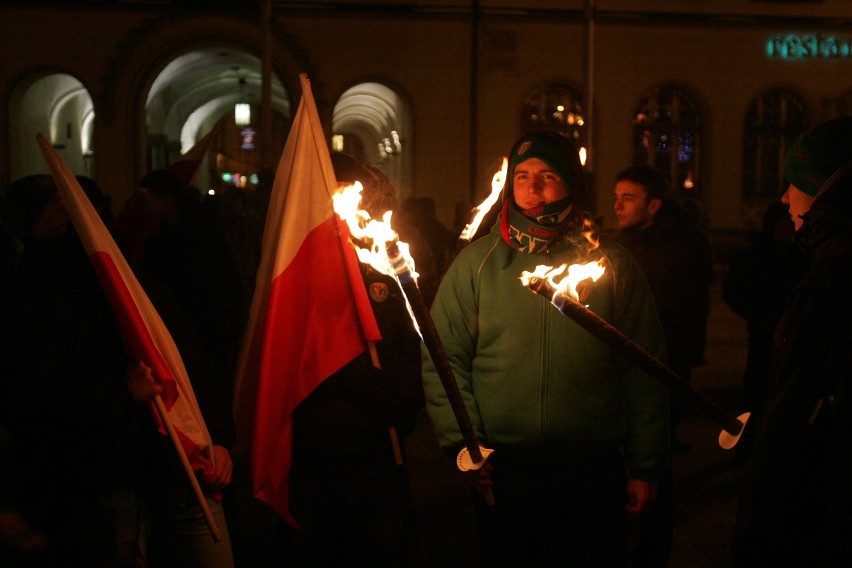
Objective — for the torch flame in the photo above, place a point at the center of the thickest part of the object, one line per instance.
(479, 212)
(576, 273)
(370, 237)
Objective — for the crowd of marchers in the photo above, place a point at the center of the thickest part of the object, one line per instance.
(582, 438)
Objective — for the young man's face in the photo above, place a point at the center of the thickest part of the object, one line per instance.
(799, 203)
(534, 183)
(632, 206)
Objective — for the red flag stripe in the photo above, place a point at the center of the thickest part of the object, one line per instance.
(139, 346)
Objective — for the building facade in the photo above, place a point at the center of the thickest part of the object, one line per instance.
(433, 91)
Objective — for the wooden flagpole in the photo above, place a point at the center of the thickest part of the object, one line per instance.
(190, 473)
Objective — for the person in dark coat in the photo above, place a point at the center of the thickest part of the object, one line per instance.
(96, 477)
(756, 287)
(676, 259)
(79, 441)
(348, 492)
(795, 508)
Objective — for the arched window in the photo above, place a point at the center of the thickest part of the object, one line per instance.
(667, 136)
(556, 108)
(772, 121)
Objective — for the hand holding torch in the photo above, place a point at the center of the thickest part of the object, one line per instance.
(390, 259)
(473, 456)
(563, 297)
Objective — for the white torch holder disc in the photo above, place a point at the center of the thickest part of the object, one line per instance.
(728, 441)
(465, 463)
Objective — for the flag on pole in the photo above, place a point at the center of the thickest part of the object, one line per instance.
(189, 163)
(310, 313)
(143, 331)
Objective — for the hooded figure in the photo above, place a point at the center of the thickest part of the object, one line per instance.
(796, 505)
(565, 416)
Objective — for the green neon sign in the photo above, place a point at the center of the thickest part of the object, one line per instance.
(807, 46)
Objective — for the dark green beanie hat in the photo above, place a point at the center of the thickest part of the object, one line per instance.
(818, 154)
(554, 150)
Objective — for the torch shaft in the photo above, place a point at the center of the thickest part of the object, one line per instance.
(439, 357)
(613, 338)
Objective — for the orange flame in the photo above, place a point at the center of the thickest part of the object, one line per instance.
(370, 237)
(576, 273)
(479, 212)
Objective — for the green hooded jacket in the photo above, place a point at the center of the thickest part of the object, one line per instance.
(533, 378)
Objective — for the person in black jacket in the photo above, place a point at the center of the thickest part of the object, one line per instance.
(676, 259)
(795, 508)
(96, 477)
(756, 287)
(348, 492)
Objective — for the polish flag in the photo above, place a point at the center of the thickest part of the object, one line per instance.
(310, 313)
(144, 333)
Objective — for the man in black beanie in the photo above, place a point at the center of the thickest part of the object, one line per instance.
(579, 434)
(796, 505)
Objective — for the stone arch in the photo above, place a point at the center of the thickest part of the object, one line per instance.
(371, 120)
(151, 49)
(58, 105)
(199, 89)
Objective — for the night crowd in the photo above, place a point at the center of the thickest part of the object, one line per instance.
(582, 438)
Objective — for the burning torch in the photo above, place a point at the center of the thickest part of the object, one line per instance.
(378, 245)
(564, 296)
(479, 212)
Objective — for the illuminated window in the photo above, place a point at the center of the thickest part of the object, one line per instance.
(772, 121)
(556, 108)
(667, 136)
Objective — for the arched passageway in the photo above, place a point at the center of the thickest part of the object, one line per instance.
(372, 123)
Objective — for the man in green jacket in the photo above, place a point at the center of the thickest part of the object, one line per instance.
(579, 433)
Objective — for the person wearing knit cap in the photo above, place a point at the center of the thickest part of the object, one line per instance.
(795, 507)
(580, 435)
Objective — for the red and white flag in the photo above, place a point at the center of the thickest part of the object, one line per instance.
(310, 313)
(144, 333)
(189, 164)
